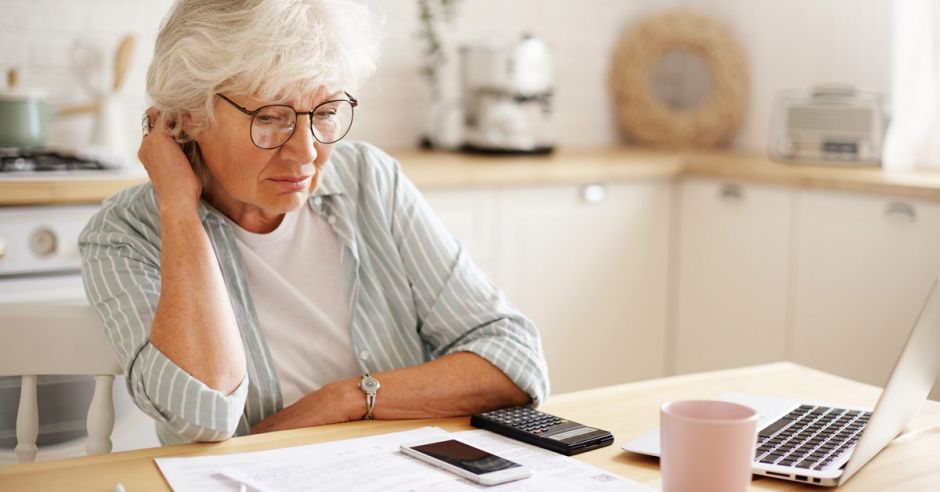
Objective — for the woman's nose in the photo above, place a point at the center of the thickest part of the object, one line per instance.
(301, 146)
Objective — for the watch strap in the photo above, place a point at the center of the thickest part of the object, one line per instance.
(370, 394)
(370, 405)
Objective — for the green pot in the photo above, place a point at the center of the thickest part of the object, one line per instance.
(24, 119)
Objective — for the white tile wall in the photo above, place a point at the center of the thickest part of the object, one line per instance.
(789, 44)
(581, 35)
(36, 37)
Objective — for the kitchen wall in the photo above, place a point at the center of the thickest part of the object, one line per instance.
(788, 44)
(796, 43)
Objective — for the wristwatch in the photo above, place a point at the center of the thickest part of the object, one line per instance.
(370, 386)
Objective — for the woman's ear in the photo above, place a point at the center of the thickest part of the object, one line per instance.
(188, 129)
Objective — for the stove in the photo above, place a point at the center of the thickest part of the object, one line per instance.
(42, 160)
(41, 240)
(40, 267)
(39, 270)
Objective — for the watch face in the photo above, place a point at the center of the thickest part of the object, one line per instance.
(369, 384)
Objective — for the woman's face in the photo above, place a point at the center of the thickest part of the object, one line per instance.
(252, 186)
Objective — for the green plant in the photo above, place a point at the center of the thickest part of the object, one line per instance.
(432, 14)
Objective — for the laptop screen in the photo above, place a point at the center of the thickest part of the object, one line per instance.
(913, 376)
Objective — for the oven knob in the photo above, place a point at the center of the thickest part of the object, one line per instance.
(44, 242)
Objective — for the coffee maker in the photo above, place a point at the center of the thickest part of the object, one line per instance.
(507, 97)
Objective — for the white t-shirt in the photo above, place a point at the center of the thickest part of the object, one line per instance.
(297, 284)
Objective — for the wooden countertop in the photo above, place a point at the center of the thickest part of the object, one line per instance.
(435, 170)
(442, 170)
(27, 191)
(754, 168)
(457, 170)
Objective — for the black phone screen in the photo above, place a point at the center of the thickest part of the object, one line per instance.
(464, 456)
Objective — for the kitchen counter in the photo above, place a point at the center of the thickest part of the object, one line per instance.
(760, 169)
(82, 187)
(455, 170)
(438, 170)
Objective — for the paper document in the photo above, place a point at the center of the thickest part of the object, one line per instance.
(374, 463)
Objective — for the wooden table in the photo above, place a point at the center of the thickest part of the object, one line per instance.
(626, 410)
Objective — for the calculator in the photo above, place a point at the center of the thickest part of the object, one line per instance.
(543, 430)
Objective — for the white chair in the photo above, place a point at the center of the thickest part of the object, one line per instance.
(57, 339)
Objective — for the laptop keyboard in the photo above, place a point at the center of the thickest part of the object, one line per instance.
(810, 436)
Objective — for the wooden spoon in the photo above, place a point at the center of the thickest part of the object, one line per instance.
(13, 78)
(122, 60)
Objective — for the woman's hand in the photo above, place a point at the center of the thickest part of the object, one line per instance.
(172, 176)
(331, 404)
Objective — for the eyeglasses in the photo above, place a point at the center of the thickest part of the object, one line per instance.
(273, 125)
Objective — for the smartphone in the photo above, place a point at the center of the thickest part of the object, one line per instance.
(466, 461)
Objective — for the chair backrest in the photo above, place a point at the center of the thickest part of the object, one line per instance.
(39, 339)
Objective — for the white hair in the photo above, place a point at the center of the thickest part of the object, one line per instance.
(269, 49)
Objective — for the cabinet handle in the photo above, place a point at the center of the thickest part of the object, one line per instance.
(731, 192)
(593, 193)
(901, 213)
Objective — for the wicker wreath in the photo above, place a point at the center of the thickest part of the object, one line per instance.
(647, 120)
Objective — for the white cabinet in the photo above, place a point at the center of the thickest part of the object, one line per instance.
(470, 216)
(733, 243)
(589, 265)
(864, 266)
(751, 274)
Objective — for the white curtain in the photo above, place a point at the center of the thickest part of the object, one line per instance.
(913, 137)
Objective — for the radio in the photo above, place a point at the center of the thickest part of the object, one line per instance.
(828, 124)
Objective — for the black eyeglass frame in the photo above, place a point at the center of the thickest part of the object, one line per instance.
(351, 100)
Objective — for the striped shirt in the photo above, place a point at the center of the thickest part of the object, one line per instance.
(414, 295)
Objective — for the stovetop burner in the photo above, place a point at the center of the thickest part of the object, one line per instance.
(45, 160)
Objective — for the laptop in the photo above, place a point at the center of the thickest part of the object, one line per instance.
(825, 444)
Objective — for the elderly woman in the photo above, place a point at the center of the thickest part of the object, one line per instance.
(269, 277)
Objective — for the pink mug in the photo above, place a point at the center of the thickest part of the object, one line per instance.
(707, 446)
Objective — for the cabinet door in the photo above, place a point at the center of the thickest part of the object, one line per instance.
(470, 216)
(588, 264)
(732, 261)
(864, 267)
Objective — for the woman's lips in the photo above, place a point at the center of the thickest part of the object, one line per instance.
(292, 183)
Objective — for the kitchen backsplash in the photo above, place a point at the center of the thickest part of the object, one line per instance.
(788, 44)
